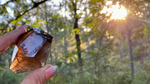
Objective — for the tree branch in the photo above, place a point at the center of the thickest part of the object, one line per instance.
(36, 4)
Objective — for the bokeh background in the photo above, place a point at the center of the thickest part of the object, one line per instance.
(95, 41)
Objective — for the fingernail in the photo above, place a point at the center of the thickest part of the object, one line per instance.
(22, 27)
(50, 71)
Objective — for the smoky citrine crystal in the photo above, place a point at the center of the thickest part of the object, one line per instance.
(31, 51)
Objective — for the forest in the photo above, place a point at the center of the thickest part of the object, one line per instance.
(94, 41)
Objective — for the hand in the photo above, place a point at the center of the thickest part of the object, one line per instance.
(38, 76)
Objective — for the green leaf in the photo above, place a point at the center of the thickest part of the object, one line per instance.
(42, 21)
(34, 25)
(13, 22)
(86, 19)
(18, 24)
(90, 25)
(19, 19)
(71, 59)
(55, 16)
(27, 21)
(77, 15)
(67, 26)
(5, 10)
(80, 13)
(2, 69)
(17, 1)
(37, 23)
(76, 30)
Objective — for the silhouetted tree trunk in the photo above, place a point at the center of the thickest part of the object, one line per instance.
(77, 34)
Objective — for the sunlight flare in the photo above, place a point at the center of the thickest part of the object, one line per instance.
(118, 12)
(115, 11)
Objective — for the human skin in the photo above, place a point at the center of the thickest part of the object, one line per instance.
(38, 76)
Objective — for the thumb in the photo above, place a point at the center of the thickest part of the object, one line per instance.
(39, 76)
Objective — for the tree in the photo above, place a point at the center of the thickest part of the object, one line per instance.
(20, 8)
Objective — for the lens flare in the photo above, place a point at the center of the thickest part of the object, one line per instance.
(118, 12)
(114, 11)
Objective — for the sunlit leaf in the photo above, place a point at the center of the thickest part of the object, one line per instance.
(34, 25)
(76, 15)
(37, 23)
(90, 25)
(86, 19)
(76, 30)
(27, 21)
(19, 19)
(13, 22)
(55, 16)
(42, 21)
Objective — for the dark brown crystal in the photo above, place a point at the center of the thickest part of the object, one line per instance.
(33, 49)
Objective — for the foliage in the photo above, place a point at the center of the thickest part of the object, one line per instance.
(104, 45)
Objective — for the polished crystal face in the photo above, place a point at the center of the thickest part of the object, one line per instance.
(31, 51)
(32, 44)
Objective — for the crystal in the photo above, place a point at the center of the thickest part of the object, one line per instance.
(31, 51)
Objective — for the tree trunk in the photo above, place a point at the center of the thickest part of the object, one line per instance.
(87, 47)
(121, 53)
(47, 27)
(51, 57)
(130, 52)
(77, 34)
(66, 45)
(56, 48)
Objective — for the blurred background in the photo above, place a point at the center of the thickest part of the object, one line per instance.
(95, 41)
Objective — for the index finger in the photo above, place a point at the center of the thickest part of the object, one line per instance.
(10, 38)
